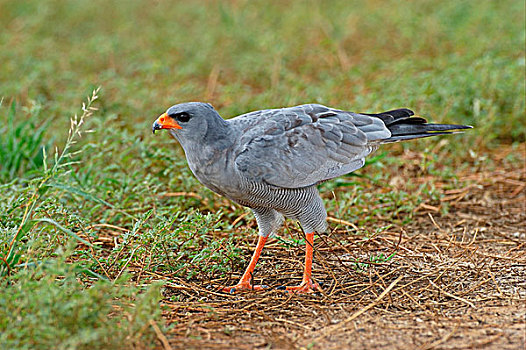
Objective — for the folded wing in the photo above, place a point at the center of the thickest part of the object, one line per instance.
(305, 145)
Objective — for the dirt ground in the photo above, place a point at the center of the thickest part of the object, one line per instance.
(457, 281)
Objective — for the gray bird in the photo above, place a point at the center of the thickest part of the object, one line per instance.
(271, 160)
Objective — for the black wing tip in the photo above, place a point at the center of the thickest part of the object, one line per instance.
(453, 126)
(400, 111)
(397, 138)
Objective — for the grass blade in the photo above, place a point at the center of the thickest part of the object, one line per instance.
(65, 230)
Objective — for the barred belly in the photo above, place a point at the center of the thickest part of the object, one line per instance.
(302, 204)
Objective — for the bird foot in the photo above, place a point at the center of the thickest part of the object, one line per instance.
(304, 287)
(242, 287)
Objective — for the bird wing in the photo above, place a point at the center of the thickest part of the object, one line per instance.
(304, 145)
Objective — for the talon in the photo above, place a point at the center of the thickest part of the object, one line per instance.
(304, 287)
(242, 287)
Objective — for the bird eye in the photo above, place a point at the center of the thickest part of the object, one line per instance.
(182, 117)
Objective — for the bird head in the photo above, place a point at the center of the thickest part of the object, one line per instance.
(187, 120)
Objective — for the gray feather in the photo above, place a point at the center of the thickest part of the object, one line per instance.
(316, 144)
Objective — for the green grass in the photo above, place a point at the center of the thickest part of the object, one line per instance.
(459, 62)
(21, 145)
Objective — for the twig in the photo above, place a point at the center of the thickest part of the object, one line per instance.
(108, 226)
(239, 218)
(162, 338)
(127, 262)
(293, 323)
(453, 296)
(434, 222)
(342, 222)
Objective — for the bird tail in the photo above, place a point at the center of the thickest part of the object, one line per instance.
(403, 126)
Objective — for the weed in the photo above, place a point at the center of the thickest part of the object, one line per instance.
(377, 258)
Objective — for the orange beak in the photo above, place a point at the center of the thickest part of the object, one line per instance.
(165, 122)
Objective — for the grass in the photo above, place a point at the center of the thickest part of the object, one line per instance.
(46, 306)
(97, 218)
(22, 147)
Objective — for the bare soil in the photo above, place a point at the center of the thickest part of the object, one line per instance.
(456, 281)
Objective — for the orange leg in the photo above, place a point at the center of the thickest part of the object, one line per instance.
(244, 282)
(306, 285)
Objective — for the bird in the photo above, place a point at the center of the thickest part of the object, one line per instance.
(272, 160)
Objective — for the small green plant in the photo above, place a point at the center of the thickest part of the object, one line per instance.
(290, 242)
(377, 258)
(381, 258)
